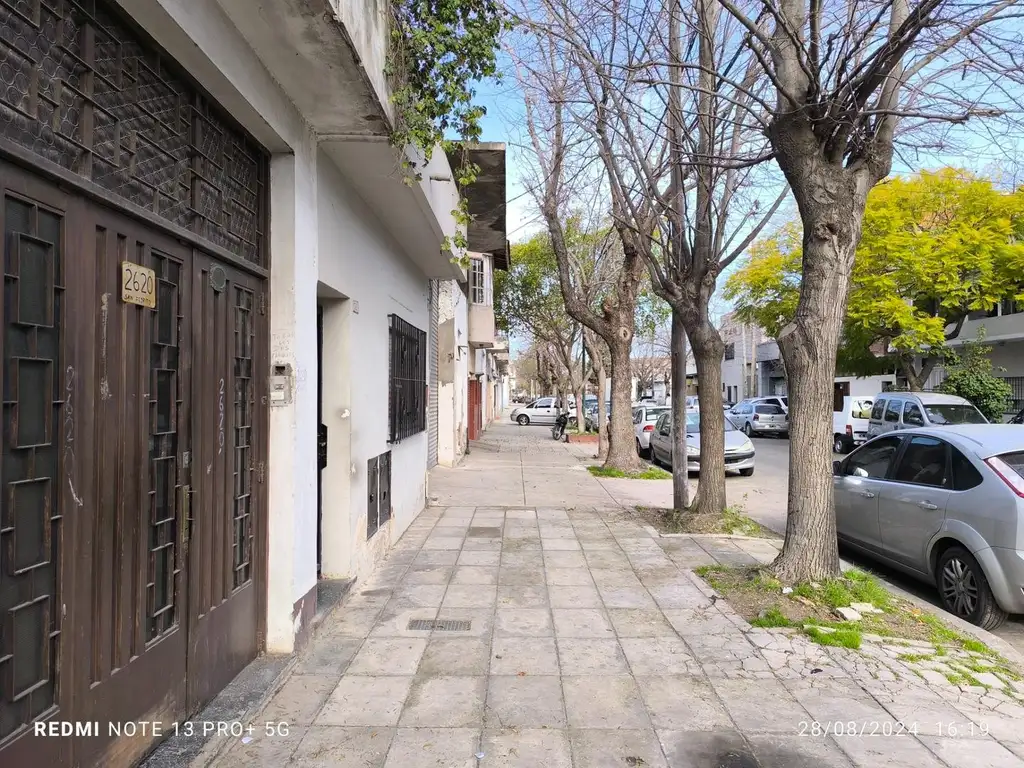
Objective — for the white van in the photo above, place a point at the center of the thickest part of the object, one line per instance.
(906, 410)
(850, 424)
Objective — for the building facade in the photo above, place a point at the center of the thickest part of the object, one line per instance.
(225, 305)
(739, 362)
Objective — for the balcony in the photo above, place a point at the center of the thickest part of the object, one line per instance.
(481, 326)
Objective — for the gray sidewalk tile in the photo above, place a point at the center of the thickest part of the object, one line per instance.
(526, 748)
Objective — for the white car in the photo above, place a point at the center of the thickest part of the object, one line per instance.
(850, 425)
(542, 411)
(644, 416)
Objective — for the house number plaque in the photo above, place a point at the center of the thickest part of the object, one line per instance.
(138, 285)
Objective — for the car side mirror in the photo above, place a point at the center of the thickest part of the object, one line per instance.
(836, 467)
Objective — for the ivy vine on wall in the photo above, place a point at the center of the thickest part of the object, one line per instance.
(439, 50)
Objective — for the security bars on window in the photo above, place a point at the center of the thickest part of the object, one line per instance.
(407, 412)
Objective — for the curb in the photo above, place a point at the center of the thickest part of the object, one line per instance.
(994, 642)
(654, 532)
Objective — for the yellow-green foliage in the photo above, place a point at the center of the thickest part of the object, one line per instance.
(945, 241)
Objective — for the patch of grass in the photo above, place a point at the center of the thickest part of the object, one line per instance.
(835, 593)
(773, 617)
(913, 658)
(840, 638)
(971, 644)
(651, 473)
(757, 596)
(731, 522)
(735, 522)
(957, 679)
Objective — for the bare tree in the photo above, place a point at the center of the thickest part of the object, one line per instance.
(661, 93)
(564, 176)
(854, 84)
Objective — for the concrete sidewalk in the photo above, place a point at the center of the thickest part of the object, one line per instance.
(527, 620)
(526, 637)
(524, 466)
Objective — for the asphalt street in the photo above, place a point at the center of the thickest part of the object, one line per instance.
(763, 498)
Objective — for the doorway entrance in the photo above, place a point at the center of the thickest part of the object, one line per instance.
(321, 440)
(131, 556)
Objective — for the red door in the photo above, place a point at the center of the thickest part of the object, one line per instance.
(475, 405)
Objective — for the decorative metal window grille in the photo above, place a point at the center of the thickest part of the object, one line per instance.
(80, 87)
(477, 282)
(407, 411)
(730, 351)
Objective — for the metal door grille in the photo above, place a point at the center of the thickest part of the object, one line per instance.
(165, 402)
(432, 382)
(82, 89)
(35, 388)
(244, 408)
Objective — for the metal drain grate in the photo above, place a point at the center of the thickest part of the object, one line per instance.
(485, 533)
(441, 625)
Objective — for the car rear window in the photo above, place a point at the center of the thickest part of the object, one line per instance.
(769, 410)
(1015, 460)
(654, 413)
(877, 409)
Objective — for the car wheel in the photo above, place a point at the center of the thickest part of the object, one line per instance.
(839, 445)
(747, 430)
(964, 590)
(640, 450)
(523, 420)
(747, 472)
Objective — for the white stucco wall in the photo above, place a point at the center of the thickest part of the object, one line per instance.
(453, 403)
(360, 261)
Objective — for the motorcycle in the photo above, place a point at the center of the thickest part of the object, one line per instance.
(558, 431)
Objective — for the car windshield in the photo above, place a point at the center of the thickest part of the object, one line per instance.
(954, 414)
(768, 410)
(693, 424)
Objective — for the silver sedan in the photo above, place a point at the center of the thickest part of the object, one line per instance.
(739, 451)
(945, 505)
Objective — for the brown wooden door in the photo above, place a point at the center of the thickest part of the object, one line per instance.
(225, 509)
(35, 658)
(134, 458)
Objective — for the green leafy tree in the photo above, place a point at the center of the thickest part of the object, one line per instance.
(935, 248)
(970, 376)
(439, 51)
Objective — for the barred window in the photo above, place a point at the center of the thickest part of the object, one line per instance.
(730, 351)
(407, 412)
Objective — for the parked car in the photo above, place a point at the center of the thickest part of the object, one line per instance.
(755, 417)
(945, 505)
(544, 411)
(850, 425)
(644, 416)
(739, 451)
(1019, 418)
(692, 402)
(780, 400)
(908, 410)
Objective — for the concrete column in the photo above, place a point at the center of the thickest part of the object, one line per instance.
(292, 466)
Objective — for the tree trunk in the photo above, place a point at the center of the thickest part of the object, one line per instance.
(708, 350)
(581, 423)
(680, 476)
(831, 202)
(917, 378)
(602, 414)
(622, 453)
